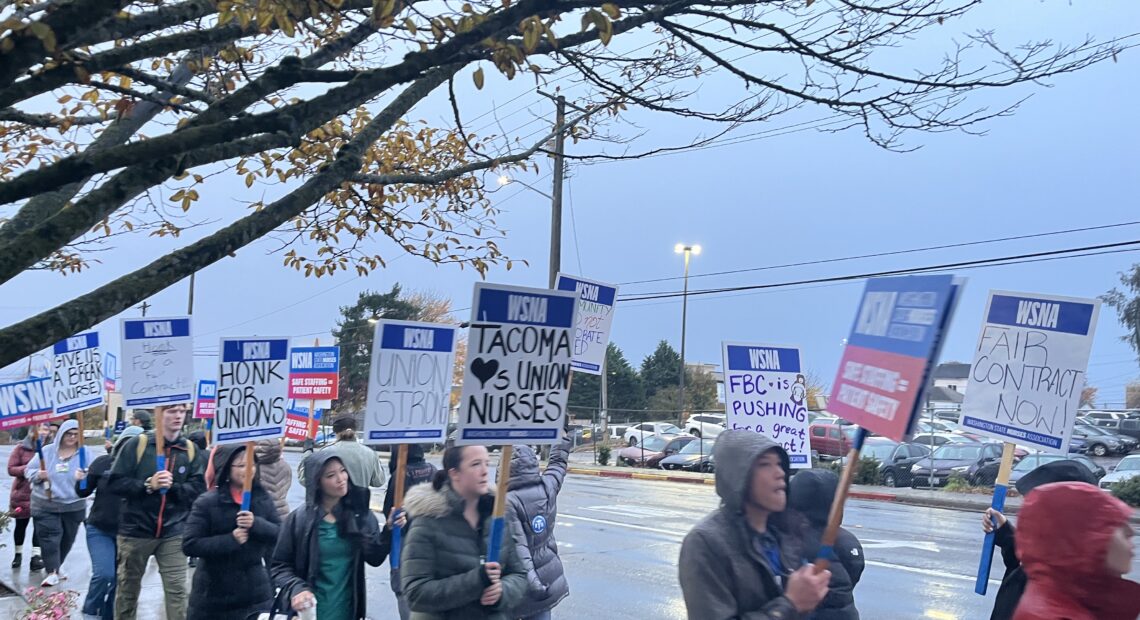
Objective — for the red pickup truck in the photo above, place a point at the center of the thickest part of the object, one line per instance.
(831, 441)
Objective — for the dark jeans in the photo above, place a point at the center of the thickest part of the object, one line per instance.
(100, 599)
(57, 532)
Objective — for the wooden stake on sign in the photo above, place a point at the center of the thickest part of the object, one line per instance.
(312, 428)
(1001, 488)
(82, 451)
(247, 486)
(159, 444)
(398, 502)
(835, 518)
(498, 521)
(43, 463)
(209, 431)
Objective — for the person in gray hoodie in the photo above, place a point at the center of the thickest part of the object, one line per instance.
(57, 509)
(745, 560)
(532, 508)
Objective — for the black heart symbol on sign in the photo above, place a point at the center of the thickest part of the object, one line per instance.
(484, 370)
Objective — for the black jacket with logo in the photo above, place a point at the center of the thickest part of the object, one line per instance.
(156, 515)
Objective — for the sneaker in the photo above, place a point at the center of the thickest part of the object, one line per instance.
(90, 617)
(18, 560)
(37, 563)
(50, 580)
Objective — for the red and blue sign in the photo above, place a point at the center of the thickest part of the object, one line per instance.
(897, 334)
(313, 373)
(206, 405)
(110, 369)
(297, 422)
(26, 402)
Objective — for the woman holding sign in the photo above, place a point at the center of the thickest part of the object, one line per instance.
(58, 512)
(442, 565)
(320, 554)
(229, 542)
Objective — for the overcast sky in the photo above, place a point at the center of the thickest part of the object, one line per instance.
(1067, 159)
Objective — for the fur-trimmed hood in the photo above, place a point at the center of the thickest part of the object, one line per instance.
(423, 500)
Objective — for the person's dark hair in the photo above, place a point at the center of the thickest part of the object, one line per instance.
(452, 459)
(351, 507)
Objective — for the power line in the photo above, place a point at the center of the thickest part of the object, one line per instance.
(962, 244)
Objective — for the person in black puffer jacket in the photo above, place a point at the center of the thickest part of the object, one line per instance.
(811, 493)
(416, 471)
(532, 508)
(231, 582)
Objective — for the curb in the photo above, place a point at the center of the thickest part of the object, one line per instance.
(637, 475)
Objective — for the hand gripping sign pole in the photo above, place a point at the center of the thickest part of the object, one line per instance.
(835, 517)
(1001, 487)
(247, 486)
(398, 504)
(159, 444)
(43, 464)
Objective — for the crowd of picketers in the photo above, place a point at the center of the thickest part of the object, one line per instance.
(750, 559)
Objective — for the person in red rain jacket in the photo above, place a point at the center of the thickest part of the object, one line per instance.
(20, 500)
(1075, 544)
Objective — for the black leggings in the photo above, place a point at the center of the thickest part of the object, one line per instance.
(20, 532)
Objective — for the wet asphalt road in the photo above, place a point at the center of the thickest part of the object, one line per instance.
(619, 540)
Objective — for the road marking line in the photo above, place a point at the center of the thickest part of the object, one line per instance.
(930, 572)
(935, 614)
(625, 525)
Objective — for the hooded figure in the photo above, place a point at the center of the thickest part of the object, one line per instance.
(1013, 582)
(532, 509)
(811, 492)
(1075, 544)
(727, 569)
(275, 474)
(210, 536)
(56, 507)
(298, 565)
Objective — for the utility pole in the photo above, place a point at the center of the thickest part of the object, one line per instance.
(556, 193)
(144, 307)
(190, 303)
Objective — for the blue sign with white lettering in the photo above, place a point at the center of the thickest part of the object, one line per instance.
(519, 306)
(26, 402)
(594, 321)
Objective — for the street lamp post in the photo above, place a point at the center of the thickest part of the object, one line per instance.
(689, 251)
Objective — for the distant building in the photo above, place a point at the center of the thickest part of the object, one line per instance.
(952, 376)
(943, 399)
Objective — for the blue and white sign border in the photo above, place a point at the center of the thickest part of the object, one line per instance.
(798, 459)
(416, 433)
(594, 359)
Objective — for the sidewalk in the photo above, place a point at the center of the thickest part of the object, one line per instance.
(968, 502)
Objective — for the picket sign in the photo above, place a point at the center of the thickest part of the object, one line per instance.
(247, 485)
(397, 504)
(898, 333)
(1027, 332)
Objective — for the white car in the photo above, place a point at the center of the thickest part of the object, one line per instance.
(707, 425)
(1126, 469)
(634, 433)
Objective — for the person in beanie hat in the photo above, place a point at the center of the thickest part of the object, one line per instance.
(142, 419)
(1013, 582)
(362, 462)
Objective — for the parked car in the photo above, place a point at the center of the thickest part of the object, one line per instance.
(895, 459)
(1127, 443)
(1097, 417)
(832, 441)
(1127, 469)
(1097, 444)
(707, 425)
(1127, 427)
(634, 433)
(655, 447)
(695, 456)
(1034, 461)
(937, 440)
(963, 459)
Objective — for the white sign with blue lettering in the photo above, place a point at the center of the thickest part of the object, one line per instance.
(517, 376)
(158, 361)
(409, 383)
(595, 318)
(1029, 369)
(252, 381)
(765, 391)
(77, 373)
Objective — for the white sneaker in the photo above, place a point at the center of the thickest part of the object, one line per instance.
(50, 580)
(90, 617)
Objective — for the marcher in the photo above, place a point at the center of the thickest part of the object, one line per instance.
(811, 492)
(142, 419)
(734, 561)
(152, 522)
(20, 499)
(416, 471)
(101, 526)
(1013, 582)
(1075, 544)
(57, 512)
(532, 509)
(231, 582)
(362, 462)
(442, 564)
(323, 545)
(275, 474)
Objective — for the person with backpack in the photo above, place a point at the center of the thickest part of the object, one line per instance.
(811, 492)
(101, 526)
(155, 507)
(442, 565)
(20, 499)
(56, 508)
(324, 545)
(230, 542)
(275, 474)
(532, 509)
(417, 471)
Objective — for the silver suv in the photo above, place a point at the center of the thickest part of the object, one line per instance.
(707, 425)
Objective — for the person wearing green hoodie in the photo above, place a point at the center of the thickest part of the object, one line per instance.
(57, 509)
(744, 561)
